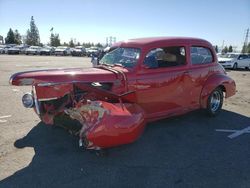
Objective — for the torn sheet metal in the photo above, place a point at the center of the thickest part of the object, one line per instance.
(102, 122)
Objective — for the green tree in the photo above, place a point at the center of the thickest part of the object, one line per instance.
(230, 49)
(65, 44)
(10, 39)
(18, 38)
(99, 45)
(225, 50)
(55, 40)
(246, 48)
(33, 37)
(71, 43)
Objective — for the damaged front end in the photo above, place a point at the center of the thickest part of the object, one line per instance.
(105, 118)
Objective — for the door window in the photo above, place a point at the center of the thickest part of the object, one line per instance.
(201, 55)
(166, 57)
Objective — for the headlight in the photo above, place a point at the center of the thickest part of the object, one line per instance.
(28, 100)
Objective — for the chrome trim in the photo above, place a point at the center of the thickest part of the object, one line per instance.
(70, 82)
(47, 99)
(36, 101)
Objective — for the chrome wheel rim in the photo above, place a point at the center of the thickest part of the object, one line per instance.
(215, 101)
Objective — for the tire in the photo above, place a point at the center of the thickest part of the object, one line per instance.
(235, 66)
(215, 102)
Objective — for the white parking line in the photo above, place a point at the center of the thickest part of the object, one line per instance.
(7, 116)
(3, 121)
(236, 133)
(15, 90)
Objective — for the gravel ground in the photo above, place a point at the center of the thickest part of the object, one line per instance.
(184, 151)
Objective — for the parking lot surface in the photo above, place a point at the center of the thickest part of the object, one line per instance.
(186, 151)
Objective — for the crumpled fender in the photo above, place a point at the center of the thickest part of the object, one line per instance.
(108, 124)
(213, 82)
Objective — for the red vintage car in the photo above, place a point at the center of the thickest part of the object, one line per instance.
(137, 81)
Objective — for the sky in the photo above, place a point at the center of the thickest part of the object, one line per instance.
(93, 20)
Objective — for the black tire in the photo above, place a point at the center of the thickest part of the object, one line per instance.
(215, 102)
(235, 66)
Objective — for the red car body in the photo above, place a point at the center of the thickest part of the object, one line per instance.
(113, 103)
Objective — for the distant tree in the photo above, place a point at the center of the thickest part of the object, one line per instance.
(230, 49)
(225, 50)
(86, 45)
(33, 37)
(78, 44)
(65, 44)
(216, 49)
(18, 38)
(54, 40)
(246, 48)
(10, 39)
(99, 45)
(71, 43)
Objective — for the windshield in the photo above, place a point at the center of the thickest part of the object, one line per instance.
(126, 57)
(229, 55)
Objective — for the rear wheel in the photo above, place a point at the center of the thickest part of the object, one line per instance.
(215, 102)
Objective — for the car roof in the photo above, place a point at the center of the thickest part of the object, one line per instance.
(155, 40)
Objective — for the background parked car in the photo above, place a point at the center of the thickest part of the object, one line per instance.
(92, 51)
(14, 50)
(78, 51)
(34, 50)
(6, 48)
(235, 60)
(47, 50)
(62, 50)
(2, 49)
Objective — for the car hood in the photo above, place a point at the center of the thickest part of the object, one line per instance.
(77, 50)
(31, 50)
(224, 59)
(14, 49)
(63, 75)
(60, 50)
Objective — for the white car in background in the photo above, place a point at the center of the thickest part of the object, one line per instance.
(235, 60)
(62, 50)
(33, 50)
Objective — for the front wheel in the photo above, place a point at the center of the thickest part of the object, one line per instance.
(215, 102)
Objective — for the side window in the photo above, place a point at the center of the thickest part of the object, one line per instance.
(242, 57)
(201, 55)
(166, 57)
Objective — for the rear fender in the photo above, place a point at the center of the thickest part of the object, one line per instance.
(214, 81)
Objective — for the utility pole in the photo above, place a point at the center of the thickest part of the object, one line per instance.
(245, 42)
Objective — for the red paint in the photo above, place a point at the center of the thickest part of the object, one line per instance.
(148, 94)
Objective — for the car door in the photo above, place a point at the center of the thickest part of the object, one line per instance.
(243, 61)
(162, 82)
(202, 65)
